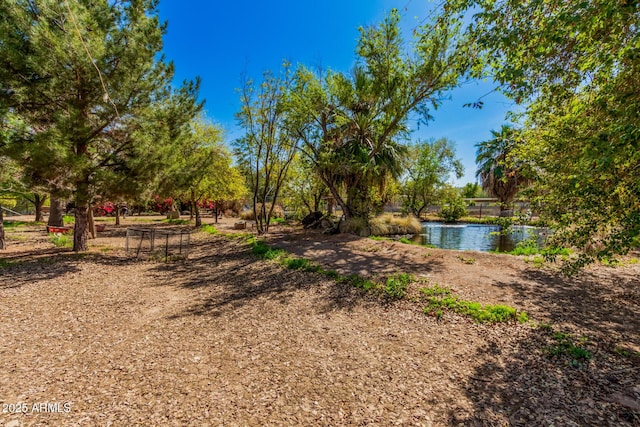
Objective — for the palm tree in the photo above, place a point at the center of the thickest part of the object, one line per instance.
(500, 174)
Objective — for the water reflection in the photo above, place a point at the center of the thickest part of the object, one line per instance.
(476, 237)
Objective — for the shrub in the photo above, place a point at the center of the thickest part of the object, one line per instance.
(210, 229)
(388, 224)
(396, 286)
(453, 210)
(61, 240)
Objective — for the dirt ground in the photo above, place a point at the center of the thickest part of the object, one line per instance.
(227, 339)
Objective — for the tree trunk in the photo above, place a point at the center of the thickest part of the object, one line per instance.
(91, 224)
(118, 207)
(198, 217)
(55, 213)
(330, 206)
(504, 210)
(80, 230)
(3, 245)
(38, 202)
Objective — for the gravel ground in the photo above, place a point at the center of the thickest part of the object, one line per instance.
(227, 339)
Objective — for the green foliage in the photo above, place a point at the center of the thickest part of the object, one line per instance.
(201, 170)
(264, 251)
(268, 148)
(435, 290)
(5, 263)
(453, 207)
(428, 168)
(565, 345)
(304, 190)
(359, 282)
(302, 264)
(173, 221)
(94, 102)
(68, 219)
(209, 229)
(10, 224)
(351, 126)
(61, 240)
(396, 286)
(471, 190)
(502, 174)
(530, 247)
(575, 67)
(439, 298)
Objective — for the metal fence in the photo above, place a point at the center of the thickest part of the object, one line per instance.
(158, 243)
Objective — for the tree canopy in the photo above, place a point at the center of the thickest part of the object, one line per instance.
(94, 99)
(353, 127)
(501, 173)
(575, 67)
(428, 168)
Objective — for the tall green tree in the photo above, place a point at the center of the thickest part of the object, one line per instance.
(574, 66)
(267, 149)
(428, 168)
(353, 127)
(501, 174)
(87, 80)
(202, 170)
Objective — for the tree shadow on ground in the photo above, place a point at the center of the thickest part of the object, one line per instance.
(603, 304)
(334, 252)
(603, 389)
(225, 276)
(38, 265)
(566, 391)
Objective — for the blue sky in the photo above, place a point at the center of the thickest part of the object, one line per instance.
(222, 40)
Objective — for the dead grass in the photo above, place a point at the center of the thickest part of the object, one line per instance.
(389, 224)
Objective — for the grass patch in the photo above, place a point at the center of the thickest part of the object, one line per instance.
(61, 240)
(626, 352)
(68, 219)
(302, 264)
(565, 345)
(530, 247)
(209, 229)
(10, 224)
(359, 282)
(5, 263)
(176, 221)
(260, 248)
(396, 286)
(465, 260)
(440, 299)
(389, 224)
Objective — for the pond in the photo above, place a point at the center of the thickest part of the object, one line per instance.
(476, 237)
